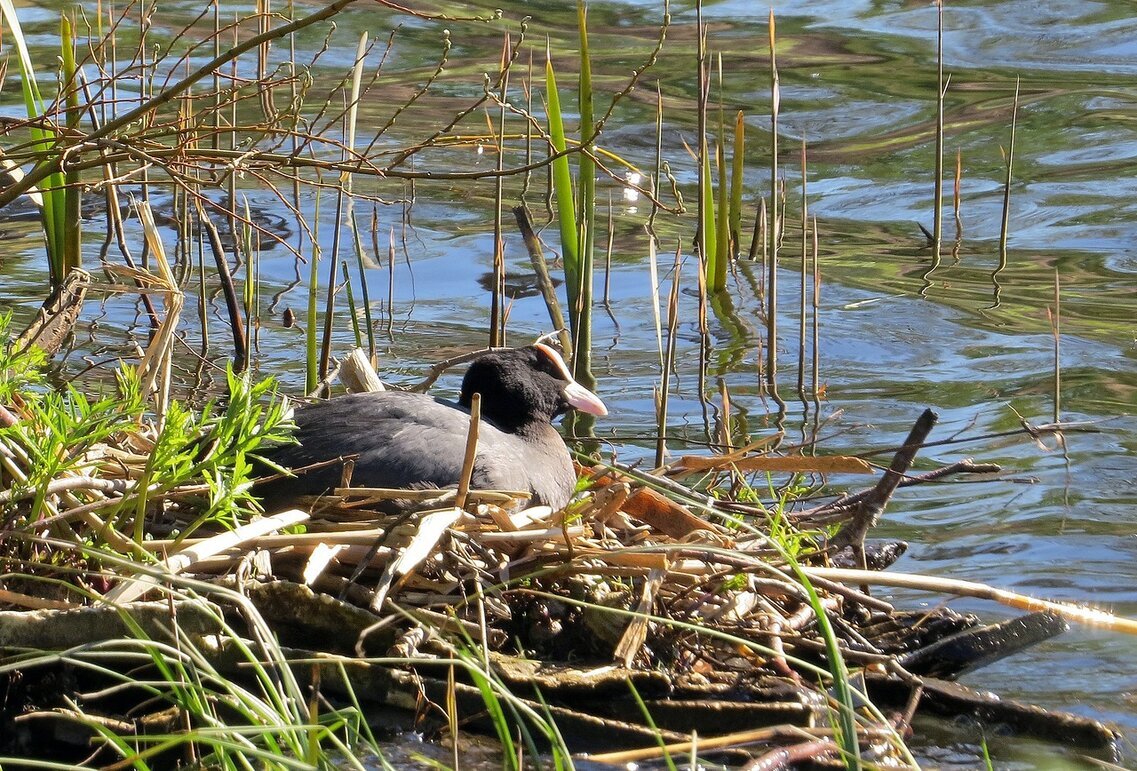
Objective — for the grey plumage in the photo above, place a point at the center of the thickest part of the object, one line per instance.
(406, 440)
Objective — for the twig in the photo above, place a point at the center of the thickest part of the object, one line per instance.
(544, 282)
(868, 509)
(108, 486)
(471, 451)
(1083, 615)
(236, 325)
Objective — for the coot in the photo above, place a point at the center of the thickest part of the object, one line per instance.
(406, 440)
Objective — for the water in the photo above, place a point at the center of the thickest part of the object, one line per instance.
(899, 333)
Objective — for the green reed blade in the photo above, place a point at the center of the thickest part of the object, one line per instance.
(722, 225)
(52, 190)
(582, 330)
(68, 215)
(736, 172)
(562, 176)
(707, 226)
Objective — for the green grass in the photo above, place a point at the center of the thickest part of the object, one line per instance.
(237, 702)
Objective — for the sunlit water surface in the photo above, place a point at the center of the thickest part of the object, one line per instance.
(899, 333)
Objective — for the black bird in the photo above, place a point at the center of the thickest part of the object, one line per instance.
(407, 440)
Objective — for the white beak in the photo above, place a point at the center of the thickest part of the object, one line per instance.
(584, 400)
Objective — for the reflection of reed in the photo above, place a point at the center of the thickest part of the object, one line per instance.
(996, 287)
(498, 311)
(1055, 318)
(955, 200)
(926, 276)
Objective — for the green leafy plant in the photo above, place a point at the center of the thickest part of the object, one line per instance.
(20, 367)
(211, 452)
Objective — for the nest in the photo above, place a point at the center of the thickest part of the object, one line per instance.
(642, 598)
(645, 619)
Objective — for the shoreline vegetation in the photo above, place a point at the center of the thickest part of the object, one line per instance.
(646, 621)
(718, 606)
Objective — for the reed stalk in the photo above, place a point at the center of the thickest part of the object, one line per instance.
(312, 318)
(737, 172)
(1004, 229)
(775, 220)
(956, 195)
(390, 280)
(352, 309)
(669, 360)
(611, 230)
(497, 296)
(938, 198)
(348, 181)
(72, 190)
(705, 243)
(804, 275)
(325, 356)
(722, 224)
(816, 321)
(653, 277)
(657, 169)
(718, 249)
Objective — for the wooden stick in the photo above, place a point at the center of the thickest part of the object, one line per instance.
(1084, 615)
(471, 451)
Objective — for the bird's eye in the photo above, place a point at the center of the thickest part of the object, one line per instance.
(550, 362)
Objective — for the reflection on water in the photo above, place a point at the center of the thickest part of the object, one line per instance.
(968, 336)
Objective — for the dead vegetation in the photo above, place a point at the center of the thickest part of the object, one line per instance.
(646, 619)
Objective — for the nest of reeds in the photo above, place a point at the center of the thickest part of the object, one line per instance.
(645, 619)
(659, 613)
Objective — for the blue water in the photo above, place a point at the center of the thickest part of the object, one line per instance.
(898, 333)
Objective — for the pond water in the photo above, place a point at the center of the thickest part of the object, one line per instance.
(899, 331)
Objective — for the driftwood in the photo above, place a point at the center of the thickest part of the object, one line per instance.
(864, 516)
(54, 321)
